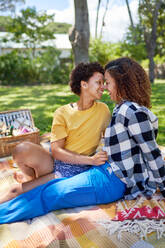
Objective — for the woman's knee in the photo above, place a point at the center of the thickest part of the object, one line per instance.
(22, 148)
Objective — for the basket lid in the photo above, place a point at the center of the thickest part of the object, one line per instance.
(16, 118)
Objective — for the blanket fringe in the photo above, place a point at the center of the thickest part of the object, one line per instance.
(139, 227)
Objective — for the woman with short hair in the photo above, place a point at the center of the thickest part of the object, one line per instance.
(134, 167)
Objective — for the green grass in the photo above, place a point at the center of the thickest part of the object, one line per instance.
(158, 108)
(45, 99)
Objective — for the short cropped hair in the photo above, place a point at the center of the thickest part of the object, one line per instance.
(131, 79)
(82, 72)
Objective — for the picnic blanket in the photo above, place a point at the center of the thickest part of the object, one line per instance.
(118, 224)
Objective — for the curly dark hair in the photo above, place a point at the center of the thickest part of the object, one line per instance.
(83, 71)
(131, 79)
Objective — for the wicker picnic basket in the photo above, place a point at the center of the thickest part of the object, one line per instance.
(7, 143)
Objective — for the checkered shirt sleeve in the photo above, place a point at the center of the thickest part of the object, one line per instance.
(141, 129)
(132, 150)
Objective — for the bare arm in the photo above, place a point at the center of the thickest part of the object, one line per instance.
(60, 153)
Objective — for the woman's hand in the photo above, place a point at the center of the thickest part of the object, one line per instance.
(99, 158)
(60, 153)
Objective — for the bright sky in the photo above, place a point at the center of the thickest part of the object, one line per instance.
(116, 21)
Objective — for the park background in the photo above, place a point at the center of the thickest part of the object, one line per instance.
(35, 65)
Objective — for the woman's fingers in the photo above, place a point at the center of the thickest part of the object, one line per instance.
(99, 158)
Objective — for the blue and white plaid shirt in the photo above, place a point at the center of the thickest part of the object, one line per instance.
(132, 150)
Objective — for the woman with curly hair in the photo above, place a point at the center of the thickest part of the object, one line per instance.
(76, 132)
(130, 138)
(135, 165)
(77, 127)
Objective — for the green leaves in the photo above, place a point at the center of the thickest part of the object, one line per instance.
(30, 28)
(9, 4)
(20, 68)
(103, 52)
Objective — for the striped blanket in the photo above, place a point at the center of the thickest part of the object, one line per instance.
(116, 225)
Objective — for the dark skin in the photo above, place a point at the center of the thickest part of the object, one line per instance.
(90, 91)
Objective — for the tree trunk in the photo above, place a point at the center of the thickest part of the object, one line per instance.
(151, 67)
(129, 13)
(102, 25)
(97, 17)
(132, 24)
(150, 40)
(79, 34)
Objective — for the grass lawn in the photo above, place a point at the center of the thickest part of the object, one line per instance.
(44, 100)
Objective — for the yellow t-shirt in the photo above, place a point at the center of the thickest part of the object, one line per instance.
(81, 129)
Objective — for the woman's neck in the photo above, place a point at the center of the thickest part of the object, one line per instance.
(84, 104)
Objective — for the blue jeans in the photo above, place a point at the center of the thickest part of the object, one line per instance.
(98, 185)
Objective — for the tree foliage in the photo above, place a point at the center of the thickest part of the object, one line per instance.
(103, 52)
(54, 27)
(149, 13)
(20, 68)
(160, 48)
(9, 5)
(146, 38)
(5, 21)
(130, 48)
(30, 28)
(58, 28)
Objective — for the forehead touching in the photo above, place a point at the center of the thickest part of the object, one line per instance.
(107, 75)
(98, 76)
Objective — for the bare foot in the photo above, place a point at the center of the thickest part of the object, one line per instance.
(15, 190)
(20, 177)
(4, 165)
